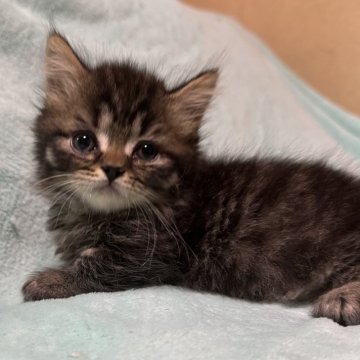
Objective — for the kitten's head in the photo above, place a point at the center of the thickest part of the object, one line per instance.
(113, 136)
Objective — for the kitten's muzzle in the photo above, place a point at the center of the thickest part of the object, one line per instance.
(112, 172)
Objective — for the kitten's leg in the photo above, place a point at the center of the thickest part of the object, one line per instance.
(97, 270)
(56, 283)
(50, 284)
(340, 304)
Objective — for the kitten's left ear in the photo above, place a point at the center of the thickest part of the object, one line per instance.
(189, 102)
(63, 68)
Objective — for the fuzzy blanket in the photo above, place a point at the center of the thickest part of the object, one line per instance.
(260, 109)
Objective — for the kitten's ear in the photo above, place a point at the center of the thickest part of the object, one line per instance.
(189, 102)
(63, 68)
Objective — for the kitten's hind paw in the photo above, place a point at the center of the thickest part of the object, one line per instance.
(341, 304)
(49, 284)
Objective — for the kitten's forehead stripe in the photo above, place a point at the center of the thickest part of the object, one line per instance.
(105, 119)
(136, 126)
(138, 108)
(103, 141)
(146, 123)
(127, 93)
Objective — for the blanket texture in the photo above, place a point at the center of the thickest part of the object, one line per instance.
(260, 109)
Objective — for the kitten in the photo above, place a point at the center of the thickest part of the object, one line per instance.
(134, 203)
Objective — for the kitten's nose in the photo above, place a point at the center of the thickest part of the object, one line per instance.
(112, 172)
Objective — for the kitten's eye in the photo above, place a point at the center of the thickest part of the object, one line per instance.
(147, 151)
(84, 142)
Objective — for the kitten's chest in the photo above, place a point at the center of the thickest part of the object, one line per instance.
(138, 232)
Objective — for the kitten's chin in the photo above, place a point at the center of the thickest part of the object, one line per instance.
(109, 200)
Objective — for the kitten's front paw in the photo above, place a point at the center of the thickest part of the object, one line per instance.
(50, 284)
(340, 304)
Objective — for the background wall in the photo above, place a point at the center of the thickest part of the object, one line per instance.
(318, 39)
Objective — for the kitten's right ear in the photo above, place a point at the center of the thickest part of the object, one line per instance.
(63, 68)
(189, 102)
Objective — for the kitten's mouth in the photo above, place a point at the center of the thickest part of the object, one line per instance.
(108, 188)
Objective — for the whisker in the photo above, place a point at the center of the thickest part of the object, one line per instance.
(172, 230)
(74, 191)
(148, 231)
(51, 178)
(154, 231)
(58, 186)
(59, 197)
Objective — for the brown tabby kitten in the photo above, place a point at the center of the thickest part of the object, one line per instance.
(135, 204)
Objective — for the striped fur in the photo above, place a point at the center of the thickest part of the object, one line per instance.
(256, 229)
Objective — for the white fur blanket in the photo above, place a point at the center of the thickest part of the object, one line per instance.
(260, 109)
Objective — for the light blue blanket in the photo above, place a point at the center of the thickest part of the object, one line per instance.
(260, 109)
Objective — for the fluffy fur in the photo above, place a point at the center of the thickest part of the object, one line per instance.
(141, 206)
